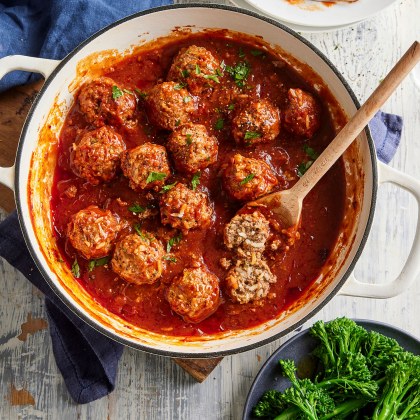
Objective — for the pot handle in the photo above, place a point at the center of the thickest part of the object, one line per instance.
(33, 64)
(411, 269)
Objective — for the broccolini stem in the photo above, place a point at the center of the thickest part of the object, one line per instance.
(345, 408)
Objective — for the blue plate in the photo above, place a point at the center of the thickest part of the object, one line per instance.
(299, 348)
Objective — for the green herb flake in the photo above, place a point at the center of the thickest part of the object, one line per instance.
(137, 228)
(231, 107)
(130, 92)
(303, 167)
(189, 139)
(143, 95)
(187, 99)
(257, 53)
(180, 86)
(213, 77)
(98, 263)
(195, 180)
(310, 152)
(247, 179)
(75, 269)
(167, 187)
(155, 176)
(173, 241)
(116, 92)
(241, 53)
(220, 123)
(249, 135)
(136, 208)
(185, 73)
(197, 69)
(170, 258)
(239, 73)
(177, 122)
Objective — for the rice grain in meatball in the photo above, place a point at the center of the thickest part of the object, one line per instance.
(93, 231)
(96, 157)
(192, 148)
(146, 166)
(169, 105)
(246, 179)
(185, 209)
(197, 67)
(248, 232)
(249, 281)
(102, 102)
(302, 115)
(257, 122)
(194, 294)
(138, 259)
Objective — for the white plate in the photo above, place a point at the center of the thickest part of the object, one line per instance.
(298, 28)
(316, 14)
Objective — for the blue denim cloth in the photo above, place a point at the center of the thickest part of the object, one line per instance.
(87, 359)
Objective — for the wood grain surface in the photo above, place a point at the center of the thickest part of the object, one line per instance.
(153, 387)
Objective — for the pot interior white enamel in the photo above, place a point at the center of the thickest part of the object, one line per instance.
(37, 157)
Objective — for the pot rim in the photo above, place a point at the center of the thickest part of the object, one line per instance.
(70, 304)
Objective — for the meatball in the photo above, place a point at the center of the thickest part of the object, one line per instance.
(302, 115)
(193, 148)
(249, 281)
(96, 157)
(185, 209)
(248, 232)
(197, 67)
(92, 231)
(194, 294)
(247, 179)
(169, 105)
(146, 166)
(139, 258)
(257, 122)
(102, 102)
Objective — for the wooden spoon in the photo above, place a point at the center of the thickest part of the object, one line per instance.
(286, 205)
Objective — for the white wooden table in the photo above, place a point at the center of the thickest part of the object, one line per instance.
(153, 387)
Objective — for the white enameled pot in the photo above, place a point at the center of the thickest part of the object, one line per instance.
(31, 177)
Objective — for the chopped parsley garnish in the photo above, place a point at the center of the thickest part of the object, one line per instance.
(187, 99)
(97, 263)
(143, 235)
(303, 167)
(137, 228)
(173, 241)
(231, 107)
(167, 187)
(239, 72)
(257, 53)
(195, 180)
(130, 92)
(170, 258)
(177, 122)
(220, 123)
(197, 69)
(213, 77)
(116, 92)
(249, 135)
(143, 95)
(241, 53)
(310, 152)
(136, 208)
(180, 86)
(185, 73)
(189, 138)
(155, 176)
(75, 269)
(247, 179)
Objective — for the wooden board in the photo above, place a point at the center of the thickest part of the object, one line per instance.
(14, 106)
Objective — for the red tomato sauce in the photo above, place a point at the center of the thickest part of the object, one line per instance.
(145, 306)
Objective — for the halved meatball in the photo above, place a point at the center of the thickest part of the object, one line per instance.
(139, 258)
(193, 148)
(146, 166)
(194, 294)
(185, 209)
(96, 157)
(102, 102)
(92, 231)
(247, 179)
(169, 105)
(249, 281)
(257, 122)
(302, 115)
(248, 232)
(197, 67)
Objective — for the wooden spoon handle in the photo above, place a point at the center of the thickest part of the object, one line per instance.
(359, 120)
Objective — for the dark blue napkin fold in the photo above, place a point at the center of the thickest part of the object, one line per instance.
(87, 359)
